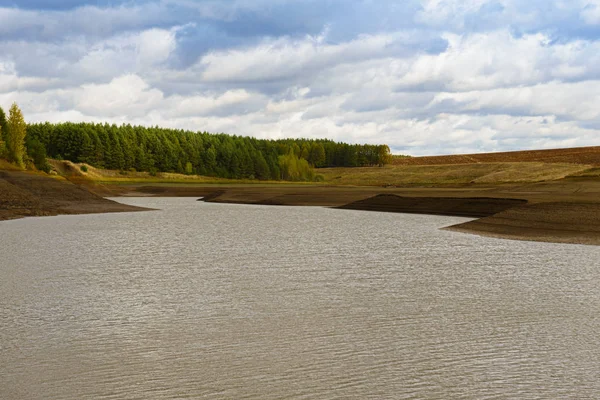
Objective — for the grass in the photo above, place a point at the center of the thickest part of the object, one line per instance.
(588, 173)
(486, 173)
(5, 165)
(391, 175)
(80, 173)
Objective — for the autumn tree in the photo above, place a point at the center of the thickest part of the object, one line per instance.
(15, 135)
(295, 169)
(384, 155)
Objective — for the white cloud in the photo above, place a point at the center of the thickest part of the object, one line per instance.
(284, 58)
(127, 95)
(441, 13)
(591, 12)
(572, 101)
(140, 52)
(490, 89)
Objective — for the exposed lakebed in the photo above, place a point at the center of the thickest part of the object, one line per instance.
(204, 300)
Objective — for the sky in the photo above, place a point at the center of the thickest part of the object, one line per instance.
(423, 76)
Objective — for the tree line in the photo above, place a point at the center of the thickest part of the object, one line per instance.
(153, 149)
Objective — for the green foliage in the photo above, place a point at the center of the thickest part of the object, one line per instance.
(156, 150)
(3, 127)
(84, 168)
(37, 152)
(295, 169)
(189, 169)
(15, 132)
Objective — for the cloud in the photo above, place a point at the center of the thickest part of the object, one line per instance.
(285, 58)
(591, 12)
(425, 77)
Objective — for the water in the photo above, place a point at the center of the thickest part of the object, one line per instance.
(210, 301)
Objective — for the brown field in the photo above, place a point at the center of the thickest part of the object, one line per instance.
(578, 155)
(454, 174)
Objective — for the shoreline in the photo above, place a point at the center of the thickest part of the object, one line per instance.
(25, 194)
(542, 215)
(564, 211)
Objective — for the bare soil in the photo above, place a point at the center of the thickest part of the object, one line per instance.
(474, 207)
(25, 194)
(562, 211)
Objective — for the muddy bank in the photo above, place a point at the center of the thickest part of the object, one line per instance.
(543, 222)
(474, 207)
(566, 211)
(565, 222)
(25, 194)
(560, 212)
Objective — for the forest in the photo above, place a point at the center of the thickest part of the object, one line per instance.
(153, 149)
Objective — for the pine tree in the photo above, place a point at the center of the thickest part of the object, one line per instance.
(317, 155)
(261, 168)
(17, 129)
(3, 130)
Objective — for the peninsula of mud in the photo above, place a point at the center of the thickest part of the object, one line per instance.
(26, 194)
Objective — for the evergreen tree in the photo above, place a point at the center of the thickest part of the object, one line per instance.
(317, 155)
(167, 150)
(2, 130)
(211, 161)
(37, 152)
(261, 168)
(3, 122)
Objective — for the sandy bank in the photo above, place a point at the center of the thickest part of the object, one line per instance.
(25, 194)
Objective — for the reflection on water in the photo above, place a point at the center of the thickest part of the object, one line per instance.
(227, 301)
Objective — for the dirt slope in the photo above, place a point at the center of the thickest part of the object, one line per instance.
(30, 194)
(475, 207)
(543, 222)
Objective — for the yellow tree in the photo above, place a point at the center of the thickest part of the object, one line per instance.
(384, 155)
(15, 135)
